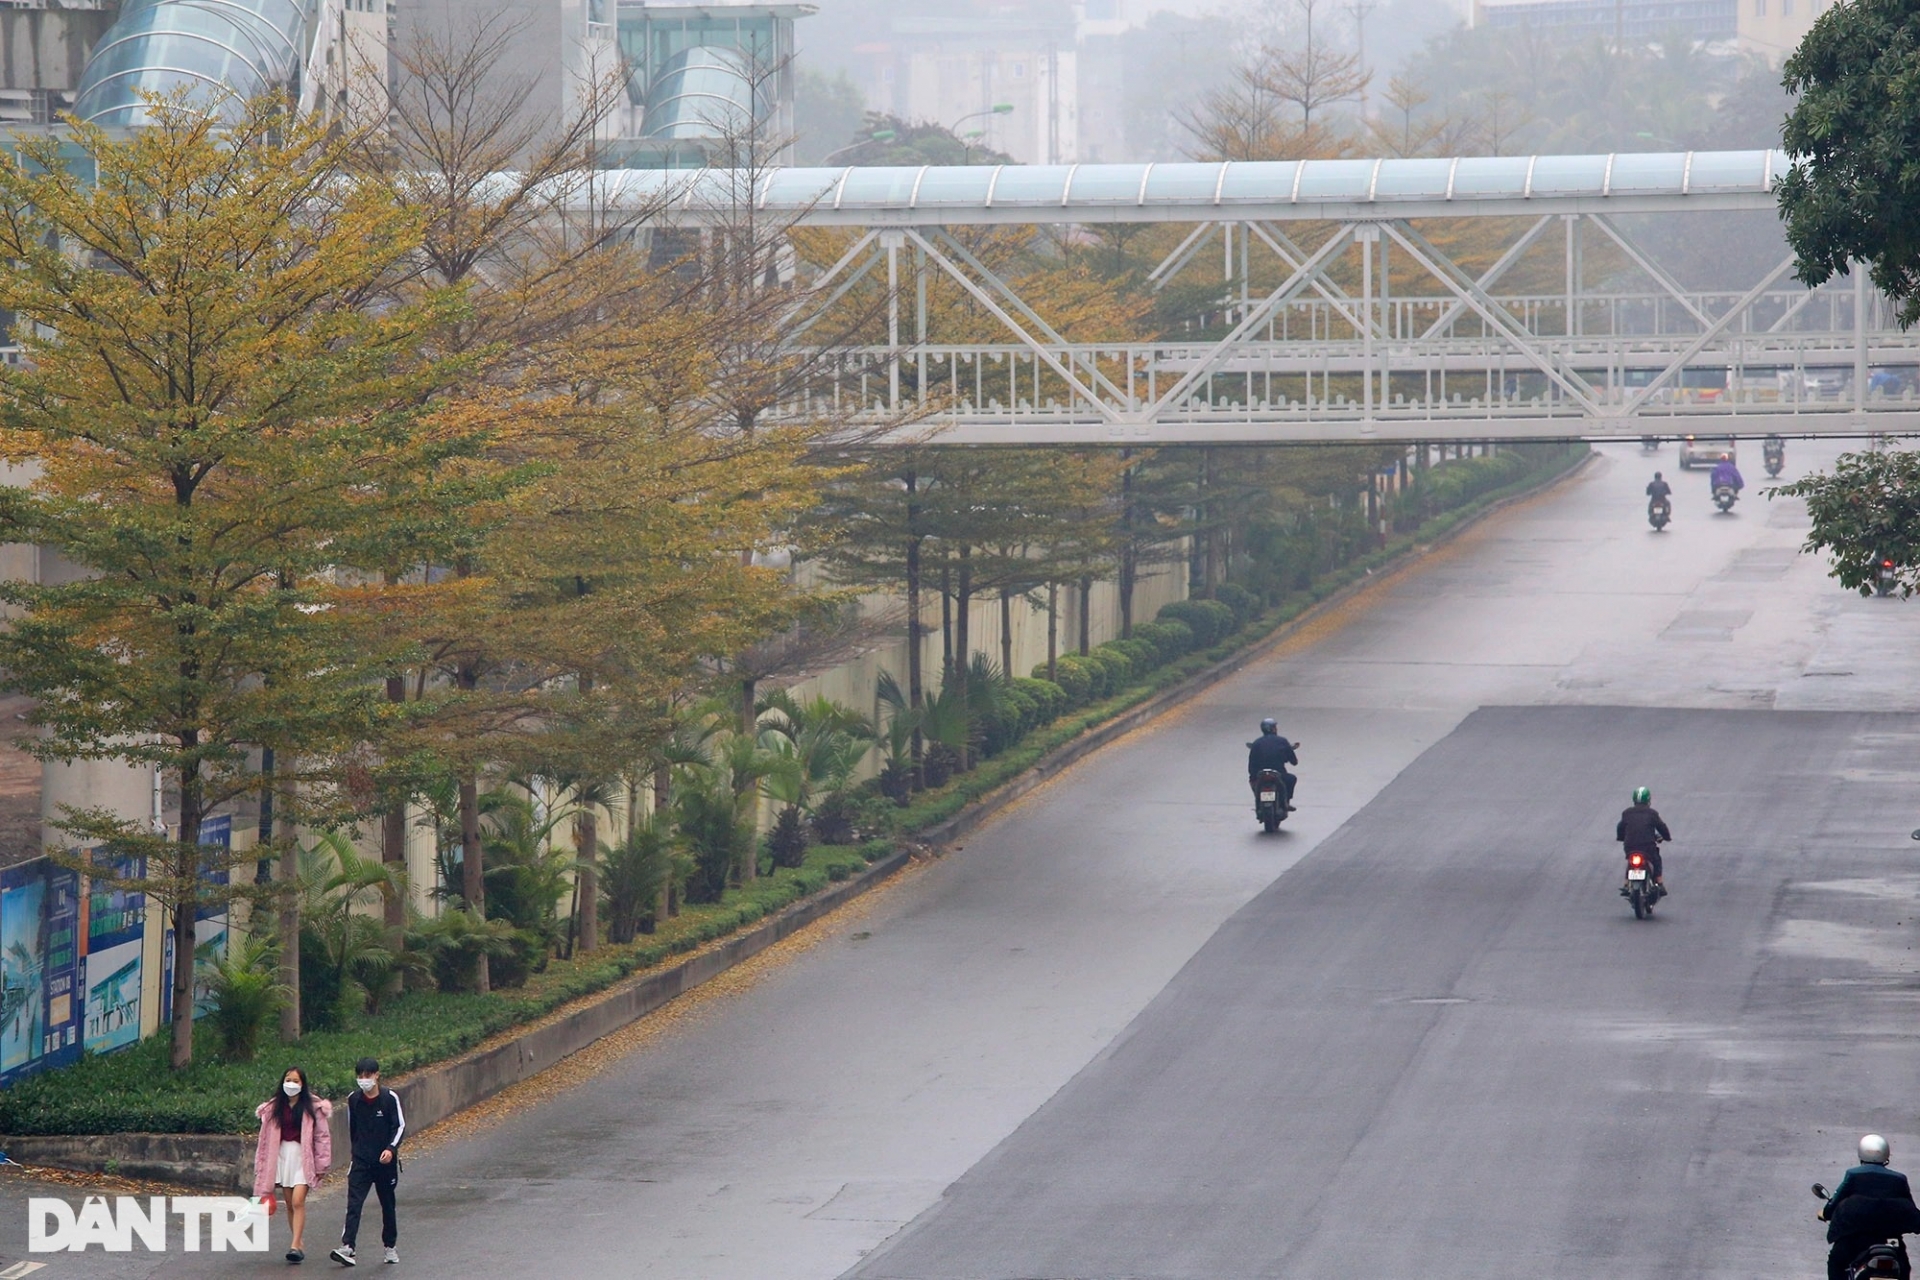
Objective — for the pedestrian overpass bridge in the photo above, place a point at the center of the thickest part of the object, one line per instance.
(1333, 345)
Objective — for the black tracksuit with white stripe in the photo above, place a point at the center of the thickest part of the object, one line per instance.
(374, 1125)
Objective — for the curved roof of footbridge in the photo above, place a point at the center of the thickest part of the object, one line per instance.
(1236, 191)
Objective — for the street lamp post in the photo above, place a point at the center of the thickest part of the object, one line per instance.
(878, 135)
(997, 109)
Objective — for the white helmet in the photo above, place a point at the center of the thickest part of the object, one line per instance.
(1874, 1150)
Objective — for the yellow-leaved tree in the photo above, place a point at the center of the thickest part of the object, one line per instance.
(219, 434)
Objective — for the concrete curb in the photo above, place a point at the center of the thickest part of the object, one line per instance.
(1071, 753)
(224, 1162)
(432, 1094)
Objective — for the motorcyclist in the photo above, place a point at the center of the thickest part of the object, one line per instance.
(1726, 475)
(1773, 446)
(1641, 830)
(1270, 751)
(1873, 1203)
(1658, 491)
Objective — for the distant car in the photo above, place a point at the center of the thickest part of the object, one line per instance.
(1820, 384)
(1704, 451)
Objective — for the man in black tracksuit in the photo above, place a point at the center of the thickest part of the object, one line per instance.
(375, 1124)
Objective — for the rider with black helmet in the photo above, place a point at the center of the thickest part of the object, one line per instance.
(1270, 751)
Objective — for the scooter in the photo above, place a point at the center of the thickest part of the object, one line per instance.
(1884, 577)
(1272, 798)
(1776, 455)
(1724, 496)
(1641, 890)
(1659, 511)
(1884, 1260)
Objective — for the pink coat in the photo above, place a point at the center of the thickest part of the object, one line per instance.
(316, 1145)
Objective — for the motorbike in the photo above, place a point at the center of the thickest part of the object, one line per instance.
(1885, 1260)
(1270, 798)
(1776, 456)
(1640, 889)
(1724, 496)
(1659, 511)
(1884, 577)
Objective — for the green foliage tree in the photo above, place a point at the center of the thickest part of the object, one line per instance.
(1865, 510)
(1853, 193)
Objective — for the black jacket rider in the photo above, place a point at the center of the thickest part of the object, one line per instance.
(1640, 831)
(1872, 1203)
(1271, 751)
(1658, 491)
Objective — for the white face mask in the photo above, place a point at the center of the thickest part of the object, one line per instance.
(291, 1088)
(366, 1083)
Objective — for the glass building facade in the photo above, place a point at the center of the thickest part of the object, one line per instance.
(219, 52)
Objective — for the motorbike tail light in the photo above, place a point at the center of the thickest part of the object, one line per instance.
(1636, 860)
(1886, 564)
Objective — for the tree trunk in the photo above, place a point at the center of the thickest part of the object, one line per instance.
(946, 623)
(1053, 630)
(290, 942)
(586, 841)
(188, 876)
(288, 922)
(393, 841)
(916, 640)
(665, 906)
(1006, 633)
(1129, 554)
(962, 609)
(749, 729)
(1086, 614)
(183, 913)
(473, 873)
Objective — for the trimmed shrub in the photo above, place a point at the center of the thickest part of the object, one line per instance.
(1075, 675)
(1210, 621)
(1117, 666)
(1048, 698)
(1026, 711)
(1241, 601)
(1170, 639)
(1143, 655)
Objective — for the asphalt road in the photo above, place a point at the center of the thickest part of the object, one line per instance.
(1441, 1046)
(1147, 1040)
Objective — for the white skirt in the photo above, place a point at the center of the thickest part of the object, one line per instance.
(290, 1170)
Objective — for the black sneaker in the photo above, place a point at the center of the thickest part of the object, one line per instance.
(344, 1256)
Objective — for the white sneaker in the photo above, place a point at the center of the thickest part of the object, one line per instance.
(344, 1256)
(393, 1255)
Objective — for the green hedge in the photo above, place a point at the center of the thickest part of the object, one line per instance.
(133, 1091)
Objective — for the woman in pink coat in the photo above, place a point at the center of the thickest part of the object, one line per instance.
(296, 1149)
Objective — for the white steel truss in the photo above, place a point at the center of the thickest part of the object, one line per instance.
(1332, 352)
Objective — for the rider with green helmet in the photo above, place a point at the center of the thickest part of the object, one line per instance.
(1641, 831)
